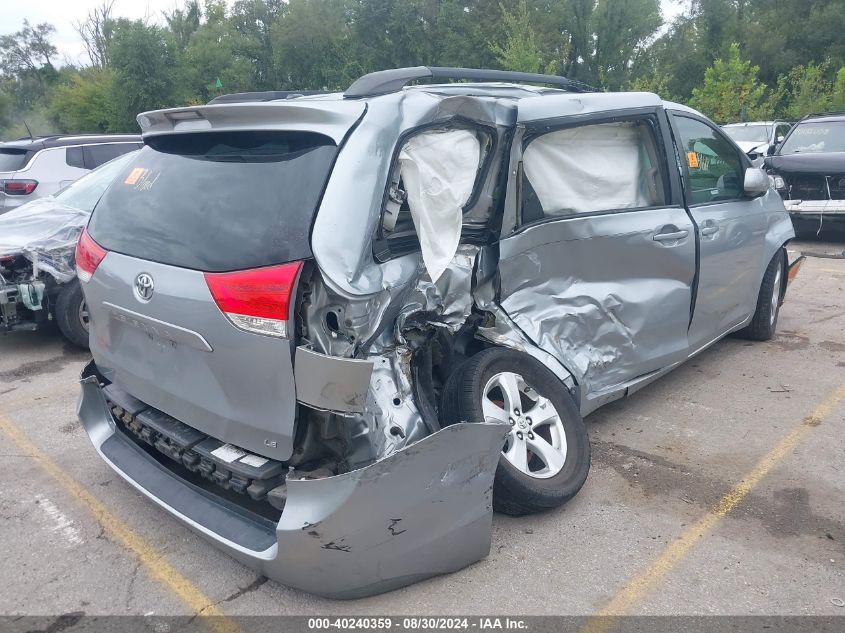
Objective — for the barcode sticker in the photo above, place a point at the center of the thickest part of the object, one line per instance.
(228, 453)
(254, 460)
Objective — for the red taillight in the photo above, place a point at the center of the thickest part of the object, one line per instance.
(18, 187)
(256, 300)
(89, 254)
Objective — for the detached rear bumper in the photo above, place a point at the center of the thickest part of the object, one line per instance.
(423, 511)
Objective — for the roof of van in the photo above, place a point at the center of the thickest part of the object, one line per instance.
(42, 142)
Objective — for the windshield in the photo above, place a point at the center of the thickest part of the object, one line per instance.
(749, 133)
(217, 201)
(83, 194)
(815, 137)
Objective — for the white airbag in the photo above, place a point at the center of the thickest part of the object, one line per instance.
(438, 170)
(588, 168)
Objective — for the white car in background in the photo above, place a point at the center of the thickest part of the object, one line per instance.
(31, 168)
(755, 138)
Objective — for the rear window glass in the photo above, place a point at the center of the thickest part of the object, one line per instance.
(748, 133)
(217, 201)
(96, 155)
(12, 159)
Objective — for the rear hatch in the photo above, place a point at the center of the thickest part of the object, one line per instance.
(191, 260)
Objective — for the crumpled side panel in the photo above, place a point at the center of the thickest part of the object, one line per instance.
(600, 295)
(45, 232)
(446, 302)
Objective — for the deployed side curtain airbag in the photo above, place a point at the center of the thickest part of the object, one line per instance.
(590, 168)
(438, 170)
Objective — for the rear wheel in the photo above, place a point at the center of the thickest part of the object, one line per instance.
(72, 314)
(546, 456)
(764, 322)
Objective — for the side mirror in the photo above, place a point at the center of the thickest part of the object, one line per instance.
(756, 182)
(772, 149)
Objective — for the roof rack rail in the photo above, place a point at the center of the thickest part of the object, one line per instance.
(267, 95)
(832, 113)
(393, 80)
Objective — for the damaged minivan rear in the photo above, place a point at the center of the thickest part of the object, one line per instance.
(332, 333)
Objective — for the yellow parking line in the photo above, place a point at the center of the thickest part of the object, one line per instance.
(157, 567)
(637, 588)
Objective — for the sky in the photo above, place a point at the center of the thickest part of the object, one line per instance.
(63, 14)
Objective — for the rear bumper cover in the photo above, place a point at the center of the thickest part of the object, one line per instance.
(422, 511)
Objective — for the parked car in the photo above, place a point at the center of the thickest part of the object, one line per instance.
(38, 281)
(331, 332)
(756, 138)
(32, 168)
(808, 170)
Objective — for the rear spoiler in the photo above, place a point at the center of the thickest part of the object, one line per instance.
(332, 118)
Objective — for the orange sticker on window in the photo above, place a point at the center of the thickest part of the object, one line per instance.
(134, 176)
(692, 160)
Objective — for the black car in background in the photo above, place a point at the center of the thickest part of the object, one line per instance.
(808, 170)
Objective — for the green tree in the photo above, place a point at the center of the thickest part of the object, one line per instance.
(658, 84)
(520, 51)
(29, 51)
(313, 46)
(212, 54)
(145, 78)
(84, 101)
(837, 100)
(254, 21)
(803, 90)
(731, 90)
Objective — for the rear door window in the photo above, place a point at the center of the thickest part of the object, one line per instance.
(74, 157)
(217, 201)
(592, 168)
(12, 159)
(96, 155)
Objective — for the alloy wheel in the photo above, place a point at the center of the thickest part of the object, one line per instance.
(536, 444)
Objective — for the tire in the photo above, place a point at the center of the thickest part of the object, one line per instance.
(545, 478)
(71, 314)
(765, 320)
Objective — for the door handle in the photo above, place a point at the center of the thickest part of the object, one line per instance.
(671, 237)
(707, 231)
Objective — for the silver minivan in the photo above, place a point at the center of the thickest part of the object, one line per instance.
(331, 333)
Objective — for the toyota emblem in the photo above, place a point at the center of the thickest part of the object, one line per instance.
(144, 287)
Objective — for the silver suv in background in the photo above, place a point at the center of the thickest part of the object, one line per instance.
(331, 333)
(32, 168)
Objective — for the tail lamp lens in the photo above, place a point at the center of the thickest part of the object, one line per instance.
(18, 187)
(257, 300)
(89, 254)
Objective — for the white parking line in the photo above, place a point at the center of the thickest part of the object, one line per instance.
(62, 524)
